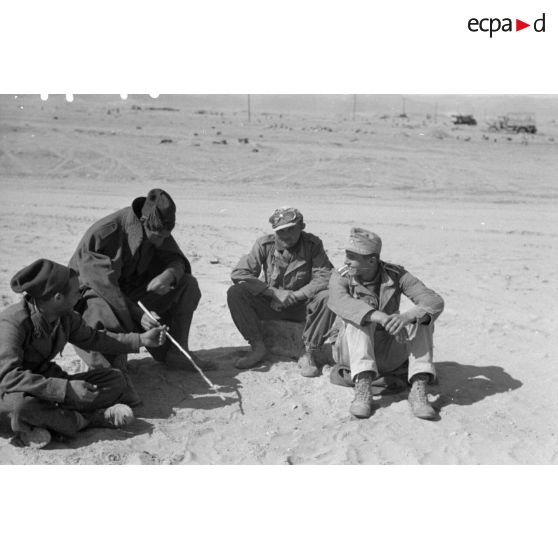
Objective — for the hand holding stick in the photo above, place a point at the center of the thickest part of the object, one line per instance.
(184, 352)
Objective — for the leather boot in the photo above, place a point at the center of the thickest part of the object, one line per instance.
(362, 405)
(418, 399)
(35, 438)
(307, 364)
(255, 356)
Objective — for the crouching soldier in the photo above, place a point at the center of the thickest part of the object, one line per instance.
(375, 339)
(296, 272)
(130, 255)
(38, 395)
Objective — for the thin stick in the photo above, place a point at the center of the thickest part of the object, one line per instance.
(184, 352)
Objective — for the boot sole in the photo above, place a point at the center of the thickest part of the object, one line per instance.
(361, 414)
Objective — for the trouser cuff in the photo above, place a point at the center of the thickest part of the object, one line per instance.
(431, 375)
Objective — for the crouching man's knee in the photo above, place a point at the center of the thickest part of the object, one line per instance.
(236, 293)
(189, 289)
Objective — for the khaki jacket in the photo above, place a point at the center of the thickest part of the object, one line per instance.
(28, 345)
(114, 258)
(307, 271)
(353, 301)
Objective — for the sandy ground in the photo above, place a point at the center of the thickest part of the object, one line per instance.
(471, 213)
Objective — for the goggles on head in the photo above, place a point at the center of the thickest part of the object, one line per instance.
(283, 218)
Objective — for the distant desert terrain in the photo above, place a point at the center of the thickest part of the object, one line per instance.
(472, 213)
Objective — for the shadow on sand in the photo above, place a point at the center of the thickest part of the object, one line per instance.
(164, 389)
(462, 384)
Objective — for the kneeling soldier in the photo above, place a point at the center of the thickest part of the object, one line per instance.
(294, 287)
(39, 396)
(374, 337)
(131, 255)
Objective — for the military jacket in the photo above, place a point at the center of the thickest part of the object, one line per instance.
(114, 257)
(352, 300)
(307, 269)
(28, 344)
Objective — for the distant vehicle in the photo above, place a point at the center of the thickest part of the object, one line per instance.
(467, 119)
(518, 122)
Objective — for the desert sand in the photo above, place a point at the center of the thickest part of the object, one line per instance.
(470, 212)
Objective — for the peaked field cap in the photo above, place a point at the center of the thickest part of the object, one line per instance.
(364, 242)
(285, 217)
(41, 278)
(159, 210)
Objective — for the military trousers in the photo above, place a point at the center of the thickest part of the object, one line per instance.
(176, 309)
(367, 348)
(249, 310)
(26, 411)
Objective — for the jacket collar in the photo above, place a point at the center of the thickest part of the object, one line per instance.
(385, 279)
(298, 258)
(133, 226)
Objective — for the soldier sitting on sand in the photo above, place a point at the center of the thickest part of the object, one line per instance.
(374, 337)
(296, 272)
(128, 256)
(39, 396)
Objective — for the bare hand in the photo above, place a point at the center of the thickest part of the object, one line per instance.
(378, 317)
(147, 322)
(396, 322)
(79, 392)
(284, 297)
(155, 337)
(162, 283)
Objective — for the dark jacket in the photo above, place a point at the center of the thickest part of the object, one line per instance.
(28, 345)
(353, 301)
(114, 258)
(308, 270)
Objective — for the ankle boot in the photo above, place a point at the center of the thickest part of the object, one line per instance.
(255, 356)
(418, 399)
(35, 438)
(307, 364)
(112, 417)
(362, 405)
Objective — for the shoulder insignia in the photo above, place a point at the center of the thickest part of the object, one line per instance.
(394, 268)
(343, 271)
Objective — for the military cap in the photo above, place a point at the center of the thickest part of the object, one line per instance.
(364, 242)
(285, 217)
(41, 279)
(159, 210)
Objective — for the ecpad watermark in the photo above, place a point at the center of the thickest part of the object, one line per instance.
(492, 25)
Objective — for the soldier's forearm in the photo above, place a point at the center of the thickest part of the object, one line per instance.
(255, 286)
